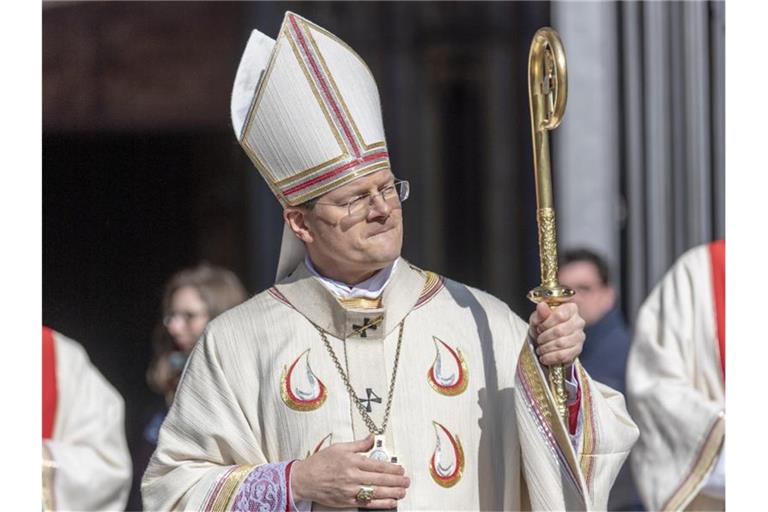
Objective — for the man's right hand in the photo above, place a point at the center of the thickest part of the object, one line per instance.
(333, 476)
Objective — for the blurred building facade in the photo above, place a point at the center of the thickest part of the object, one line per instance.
(642, 156)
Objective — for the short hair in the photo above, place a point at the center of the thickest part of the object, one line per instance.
(583, 254)
(308, 204)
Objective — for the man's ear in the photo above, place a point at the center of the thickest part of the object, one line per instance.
(296, 219)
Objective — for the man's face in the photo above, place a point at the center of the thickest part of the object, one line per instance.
(358, 244)
(593, 297)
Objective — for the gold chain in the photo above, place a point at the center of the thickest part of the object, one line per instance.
(372, 428)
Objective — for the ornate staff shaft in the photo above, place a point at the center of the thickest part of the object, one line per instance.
(547, 93)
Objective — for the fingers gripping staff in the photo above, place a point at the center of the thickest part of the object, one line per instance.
(558, 333)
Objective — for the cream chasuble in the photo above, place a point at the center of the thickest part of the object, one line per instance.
(472, 421)
(675, 388)
(86, 464)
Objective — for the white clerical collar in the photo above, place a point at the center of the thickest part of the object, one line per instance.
(371, 288)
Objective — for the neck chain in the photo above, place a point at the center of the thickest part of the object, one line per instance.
(372, 428)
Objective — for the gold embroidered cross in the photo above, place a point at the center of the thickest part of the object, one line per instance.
(360, 330)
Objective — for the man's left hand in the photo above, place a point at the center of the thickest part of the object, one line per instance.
(558, 333)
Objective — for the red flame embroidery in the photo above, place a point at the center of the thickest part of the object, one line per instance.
(448, 374)
(447, 463)
(299, 394)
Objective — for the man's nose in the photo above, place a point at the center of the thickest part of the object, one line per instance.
(379, 206)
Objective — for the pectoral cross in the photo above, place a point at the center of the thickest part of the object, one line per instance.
(367, 401)
(379, 452)
(367, 324)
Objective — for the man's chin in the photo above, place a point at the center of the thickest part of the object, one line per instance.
(380, 260)
(389, 241)
(383, 249)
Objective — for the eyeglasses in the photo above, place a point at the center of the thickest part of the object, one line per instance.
(186, 316)
(393, 195)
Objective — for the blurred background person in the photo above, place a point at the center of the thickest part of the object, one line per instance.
(608, 337)
(607, 345)
(86, 464)
(192, 297)
(676, 385)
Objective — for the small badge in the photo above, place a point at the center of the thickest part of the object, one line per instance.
(379, 451)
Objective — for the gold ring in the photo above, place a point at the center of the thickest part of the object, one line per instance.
(365, 494)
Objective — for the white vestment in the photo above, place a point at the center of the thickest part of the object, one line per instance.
(472, 420)
(86, 464)
(675, 388)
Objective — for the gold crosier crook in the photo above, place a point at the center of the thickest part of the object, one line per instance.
(547, 93)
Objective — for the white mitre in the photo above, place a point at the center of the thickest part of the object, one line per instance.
(306, 110)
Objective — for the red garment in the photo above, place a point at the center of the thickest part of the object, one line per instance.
(717, 257)
(50, 391)
(573, 411)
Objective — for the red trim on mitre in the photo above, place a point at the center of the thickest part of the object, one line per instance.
(717, 258)
(50, 392)
(357, 162)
